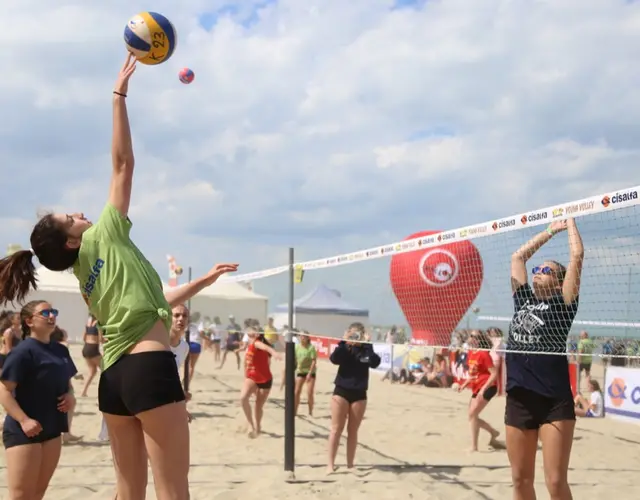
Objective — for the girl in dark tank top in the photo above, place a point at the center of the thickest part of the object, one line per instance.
(539, 398)
(91, 352)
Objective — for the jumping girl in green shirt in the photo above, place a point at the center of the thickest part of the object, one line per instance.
(139, 394)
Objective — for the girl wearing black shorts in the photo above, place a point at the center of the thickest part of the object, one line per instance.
(483, 382)
(139, 394)
(91, 351)
(539, 397)
(349, 400)
(36, 393)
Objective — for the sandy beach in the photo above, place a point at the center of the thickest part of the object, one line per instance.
(414, 444)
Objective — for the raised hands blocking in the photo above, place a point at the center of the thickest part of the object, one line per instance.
(560, 225)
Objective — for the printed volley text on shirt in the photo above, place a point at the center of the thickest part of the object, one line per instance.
(121, 288)
(539, 326)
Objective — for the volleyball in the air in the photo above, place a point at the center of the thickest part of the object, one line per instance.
(186, 75)
(150, 37)
(178, 270)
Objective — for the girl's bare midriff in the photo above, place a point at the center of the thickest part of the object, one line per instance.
(156, 339)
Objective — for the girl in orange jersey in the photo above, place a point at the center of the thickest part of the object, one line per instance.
(483, 382)
(259, 379)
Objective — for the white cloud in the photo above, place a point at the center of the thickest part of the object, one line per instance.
(320, 125)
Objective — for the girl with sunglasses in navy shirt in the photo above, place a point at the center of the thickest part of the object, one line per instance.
(539, 397)
(35, 393)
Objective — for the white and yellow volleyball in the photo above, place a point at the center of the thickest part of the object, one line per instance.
(150, 37)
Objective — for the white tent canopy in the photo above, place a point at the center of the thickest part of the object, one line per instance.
(222, 299)
(62, 290)
(323, 312)
(226, 299)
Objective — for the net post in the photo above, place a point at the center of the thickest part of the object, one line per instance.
(391, 363)
(289, 405)
(185, 379)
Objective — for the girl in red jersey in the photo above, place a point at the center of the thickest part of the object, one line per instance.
(483, 382)
(258, 379)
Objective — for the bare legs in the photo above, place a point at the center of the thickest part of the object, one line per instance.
(134, 439)
(522, 446)
(249, 388)
(341, 412)
(93, 364)
(30, 467)
(224, 358)
(476, 405)
(67, 437)
(193, 359)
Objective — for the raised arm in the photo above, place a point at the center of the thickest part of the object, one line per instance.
(340, 354)
(571, 284)
(264, 347)
(181, 294)
(121, 146)
(525, 252)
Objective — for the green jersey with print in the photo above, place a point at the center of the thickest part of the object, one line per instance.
(119, 285)
(586, 348)
(305, 356)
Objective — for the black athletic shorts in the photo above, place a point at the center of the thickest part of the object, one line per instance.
(586, 367)
(305, 375)
(351, 395)
(90, 351)
(488, 393)
(529, 410)
(265, 385)
(140, 382)
(11, 439)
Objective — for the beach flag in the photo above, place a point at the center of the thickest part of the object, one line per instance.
(174, 270)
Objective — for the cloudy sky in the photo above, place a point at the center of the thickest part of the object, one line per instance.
(328, 126)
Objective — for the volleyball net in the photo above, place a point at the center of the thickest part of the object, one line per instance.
(436, 286)
(424, 296)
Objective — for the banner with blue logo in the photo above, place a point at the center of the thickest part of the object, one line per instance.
(385, 351)
(622, 393)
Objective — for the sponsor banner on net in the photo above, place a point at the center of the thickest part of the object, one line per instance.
(622, 393)
(385, 351)
(578, 208)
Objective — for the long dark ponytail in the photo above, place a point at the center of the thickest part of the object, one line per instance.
(17, 276)
(49, 243)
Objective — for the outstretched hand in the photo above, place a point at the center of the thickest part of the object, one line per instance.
(122, 83)
(220, 269)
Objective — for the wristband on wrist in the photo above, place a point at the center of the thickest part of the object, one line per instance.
(119, 93)
(548, 230)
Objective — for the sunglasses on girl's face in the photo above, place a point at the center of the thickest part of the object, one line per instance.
(542, 270)
(48, 313)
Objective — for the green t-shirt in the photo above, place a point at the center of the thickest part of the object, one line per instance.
(305, 356)
(585, 348)
(121, 288)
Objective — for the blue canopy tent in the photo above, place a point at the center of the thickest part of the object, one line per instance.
(323, 312)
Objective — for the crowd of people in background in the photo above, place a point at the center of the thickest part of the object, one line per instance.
(474, 355)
